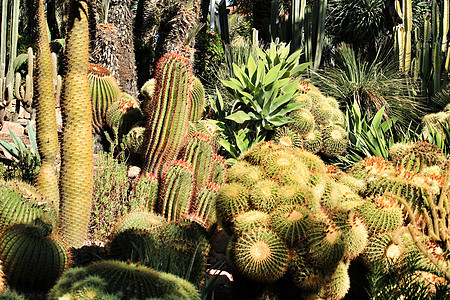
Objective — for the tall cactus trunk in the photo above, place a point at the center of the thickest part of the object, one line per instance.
(44, 102)
(76, 179)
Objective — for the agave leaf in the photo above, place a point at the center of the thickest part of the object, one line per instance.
(239, 117)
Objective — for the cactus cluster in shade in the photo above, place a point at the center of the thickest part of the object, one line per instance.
(118, 280)
(286, 212)
(318, 126)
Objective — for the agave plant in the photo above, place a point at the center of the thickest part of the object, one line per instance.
(24, 160)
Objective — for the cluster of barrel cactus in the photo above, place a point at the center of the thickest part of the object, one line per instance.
(287, 212)
(318, 126)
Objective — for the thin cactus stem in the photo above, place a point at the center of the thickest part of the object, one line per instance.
(46, 133)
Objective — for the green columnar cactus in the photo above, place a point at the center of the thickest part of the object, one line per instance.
(260, 254)
(204, 203)
(198, 100)
(18, 207)
(219, 170)
(198, 151)
(286, 137)
(104, 91)
(44, 102)
(123, 114)
(133, 281)
(146, 191)
(168, 120)
(77, 170)
(32, 257)
(177, 190)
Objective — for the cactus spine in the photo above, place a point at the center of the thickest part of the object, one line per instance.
(46, 134)
(168, 120)
(76, 180)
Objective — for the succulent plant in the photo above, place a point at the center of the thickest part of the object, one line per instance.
(334, 140)
(169, 108)
(313, 141)
(249, 220)
(337, 284)
(2, 280)
(104, 91)
(306, 276)
(381, 250)
(32, 257)
(278, 161)
(133, 281)
(177, 190)
(147, 91)
(219, 170)
(146, 190)
(198, 100)
(204, 203)
(123, 114)
(291, 223)
(286, 137)
(22, 204)
(261, 255)
(233, 199)
(264, 195)
(134, 139)
(382, 214)
(10, 295)
(303, 121)
(242, 171)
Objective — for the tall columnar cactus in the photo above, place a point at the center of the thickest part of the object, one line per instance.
(32, 256)
(168, 120)
(104, 91)
(146, 191)
(76, 179)
(198, 100)
(203, 207)
(177, 190)
(44, 102)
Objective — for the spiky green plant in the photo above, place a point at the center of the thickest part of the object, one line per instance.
(76, 176)
(291, 222)
(44, 101)
(123, 114)
(134, 140)
(286, 137)
(104, 91)
(177, 190)
(249, 220)
(198, 100)
(198, 151)
(168, 120)
(338, 284)
(134, 281)
(264, 195)
(204, 203)
(303, 121)
(334, 140)
(219, 170)
(32, 256)
(371, 84)
(260, 254)
(146, 191)
(22, 206)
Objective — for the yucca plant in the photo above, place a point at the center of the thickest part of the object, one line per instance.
(371, 84)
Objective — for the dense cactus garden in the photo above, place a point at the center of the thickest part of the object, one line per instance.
(168, 150)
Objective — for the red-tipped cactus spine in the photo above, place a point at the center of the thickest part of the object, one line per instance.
(168, 115)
